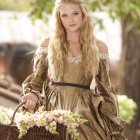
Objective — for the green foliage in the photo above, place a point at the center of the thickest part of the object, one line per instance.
(14, 5)
(127, 108)
(126, 10)
(40, 8)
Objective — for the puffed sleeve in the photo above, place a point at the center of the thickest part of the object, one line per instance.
(34, 82)
(109, 105)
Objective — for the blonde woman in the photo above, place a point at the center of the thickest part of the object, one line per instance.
(78, 70)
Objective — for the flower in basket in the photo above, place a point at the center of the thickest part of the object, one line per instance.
(24, 121)
(47, 119)
(5, 115)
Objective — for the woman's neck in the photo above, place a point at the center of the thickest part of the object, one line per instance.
(74, 44)
(73, 37)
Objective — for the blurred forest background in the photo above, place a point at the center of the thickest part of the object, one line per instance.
(34, 15)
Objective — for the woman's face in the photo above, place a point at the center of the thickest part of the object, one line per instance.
(71, 17)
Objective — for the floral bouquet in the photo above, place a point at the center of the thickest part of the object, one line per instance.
(41, 118)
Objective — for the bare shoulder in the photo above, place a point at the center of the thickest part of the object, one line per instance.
(44, 42)
(103, 48)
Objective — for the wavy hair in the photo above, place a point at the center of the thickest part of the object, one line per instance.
(58, 45)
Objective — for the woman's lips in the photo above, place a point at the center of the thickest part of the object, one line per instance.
(71, 25)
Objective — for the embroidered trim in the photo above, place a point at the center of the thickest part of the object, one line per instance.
(39, 50)
(104, 55)
(74, 59)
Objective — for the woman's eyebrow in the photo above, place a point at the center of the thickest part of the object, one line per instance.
(76, 11)
(72, 12)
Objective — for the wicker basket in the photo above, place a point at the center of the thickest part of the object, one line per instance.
(10, 132)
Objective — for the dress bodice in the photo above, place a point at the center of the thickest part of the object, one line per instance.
(74, 73)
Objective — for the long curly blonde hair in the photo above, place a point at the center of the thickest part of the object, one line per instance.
(58, 45)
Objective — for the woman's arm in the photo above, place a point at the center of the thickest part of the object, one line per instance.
(32, 85)
(109, 106)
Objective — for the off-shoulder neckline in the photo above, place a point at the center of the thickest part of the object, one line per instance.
(72, 58)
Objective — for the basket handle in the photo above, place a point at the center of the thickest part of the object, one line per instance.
(13, 117)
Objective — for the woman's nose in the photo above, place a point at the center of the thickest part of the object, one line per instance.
(71, 18)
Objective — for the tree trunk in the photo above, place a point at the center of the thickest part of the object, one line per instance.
(131, 73)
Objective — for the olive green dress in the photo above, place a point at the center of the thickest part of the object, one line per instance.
(99, 107)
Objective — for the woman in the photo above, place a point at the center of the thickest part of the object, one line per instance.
(78, 68)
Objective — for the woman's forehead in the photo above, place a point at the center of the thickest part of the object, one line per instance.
(69, 7)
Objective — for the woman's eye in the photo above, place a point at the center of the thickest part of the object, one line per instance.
(64, 15)
(76, 13)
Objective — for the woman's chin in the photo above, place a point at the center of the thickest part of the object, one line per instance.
(73, 30)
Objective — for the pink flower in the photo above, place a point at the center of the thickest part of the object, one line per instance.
(36, 114)
(50, 117)
(55, 113)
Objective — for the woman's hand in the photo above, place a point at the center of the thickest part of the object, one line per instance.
(30, 100)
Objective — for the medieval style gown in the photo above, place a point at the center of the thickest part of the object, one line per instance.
(100, 108)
